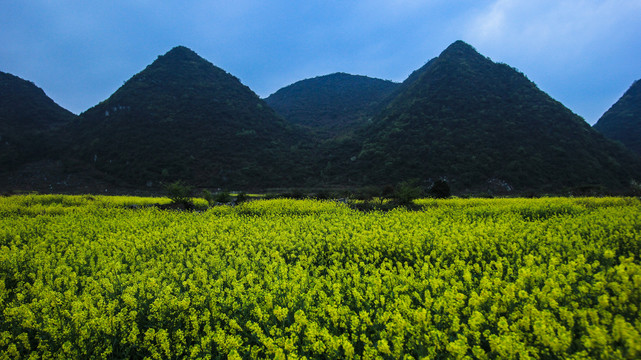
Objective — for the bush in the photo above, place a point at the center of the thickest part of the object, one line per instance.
(387, 192)
(209, 197)
(440, 190)
(223, 197)
(294, 194)
(323, 195)
(406, 192)
(367, 193)
(179, 193)
(241, 197)
(635, 188)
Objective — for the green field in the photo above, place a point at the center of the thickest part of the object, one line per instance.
(93, 277)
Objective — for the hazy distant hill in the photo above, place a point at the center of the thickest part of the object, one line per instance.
(184, 118)
(622, 122)
(331, 104)
(479, 124)
(27, 115)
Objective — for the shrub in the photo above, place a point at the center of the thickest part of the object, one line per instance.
(367, 193)
(223, 197)
(440, 190)
(406, 192)
(635, 188)
(294, 194)
(241, 197)
(179, 193)
(209, 197)
(323, 195)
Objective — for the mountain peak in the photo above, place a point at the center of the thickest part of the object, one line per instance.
(460, 44)
(466, 118)
(181, 50)
(331, 104)
(180, 54)
(24, 104)
(459, 49)
(622, 122)
(27, 116)
(179, 73)
(184, 118)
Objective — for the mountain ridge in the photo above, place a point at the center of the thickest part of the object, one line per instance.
(622, 121)
(474, 122)
(27, 114)
(332, 104)
(184, 118)
(482, 126)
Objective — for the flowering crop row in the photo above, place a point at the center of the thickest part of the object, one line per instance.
(511, 278)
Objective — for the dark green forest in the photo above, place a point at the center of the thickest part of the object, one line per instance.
(332, 105)
(462, 120)
(27, 116)
(622, 122)
(474, 122)
(184, 118)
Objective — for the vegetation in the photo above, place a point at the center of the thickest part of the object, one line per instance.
(482, 126)
(221, 133)
(223, 197)
(209, 197)
(406, 192)
(27, 116)
(180, 193)
(85, 277)
(622, 122)
(440, 189)
(331, 105)
(485, 127)
(241, 197)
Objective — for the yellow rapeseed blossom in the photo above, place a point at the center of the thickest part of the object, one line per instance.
(97, 277)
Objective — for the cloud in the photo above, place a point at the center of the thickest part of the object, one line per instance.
(584, 53)
(81, 51)
(565, 28)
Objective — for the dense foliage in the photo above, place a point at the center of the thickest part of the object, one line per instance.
(479, 124)
(622, 122)
(83, 277)
(482, 127)
(27, 114)
(184, 118)
(331, 105)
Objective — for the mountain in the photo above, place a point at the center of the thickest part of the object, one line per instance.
(479, 124)
(331, 104)
(622, 122)
(27, 116)
(184, 118)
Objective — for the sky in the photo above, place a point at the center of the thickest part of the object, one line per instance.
(583, 53)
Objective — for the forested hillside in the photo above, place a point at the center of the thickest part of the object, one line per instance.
(184, 118)
(479, 124)
(333, 104)
(461, 119)
(622, 122)
(27, 115)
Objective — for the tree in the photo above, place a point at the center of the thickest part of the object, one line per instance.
(179, 193)
(406, 192)
(440, 190)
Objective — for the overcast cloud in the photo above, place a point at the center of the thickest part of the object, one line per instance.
(584, 53)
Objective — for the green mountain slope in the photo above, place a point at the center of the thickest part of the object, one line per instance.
(332, 104)
(622, 122)
(476, 123)
(27, 116)
(184, 118)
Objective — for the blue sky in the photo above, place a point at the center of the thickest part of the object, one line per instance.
(584, 53)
